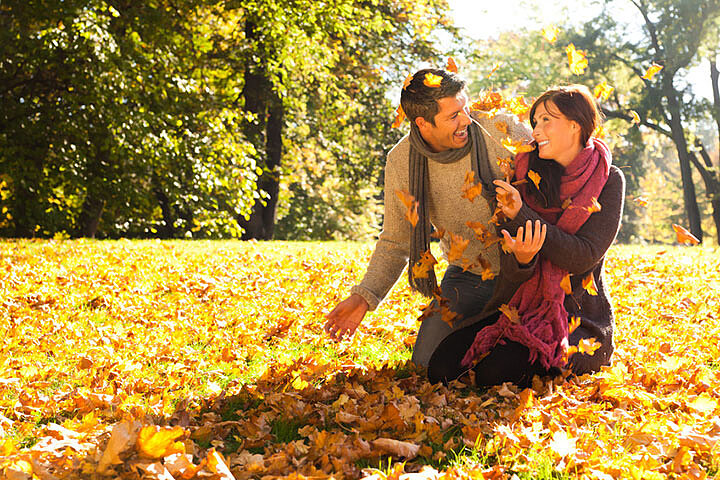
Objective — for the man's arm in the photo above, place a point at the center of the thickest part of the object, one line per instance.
(389, 258)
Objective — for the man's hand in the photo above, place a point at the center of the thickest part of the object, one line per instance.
(346, 316)
(528, 242)
(508, 198)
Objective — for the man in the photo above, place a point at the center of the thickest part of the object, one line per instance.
(431, 163)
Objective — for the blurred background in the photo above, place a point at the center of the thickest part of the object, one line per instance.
(271, 119)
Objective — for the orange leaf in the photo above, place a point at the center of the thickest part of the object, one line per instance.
(154, 442)
(488, 101)
(603, 91)
(451, 65)
(652, 71)
(502, 127)
(551, 33)
(684, 236)
(574, 324)
(471, 189)
(642, 201)
(216, 464)
(517, 106)
(588, 345)
(566, 204)
(535, 177)
(457, 246)
(399, 117)
(407, 81)
(516, 147)
(577, 60)
(494, 69)
(432, 80)
(565, 284)
(422, 267)
(483, 234)
(511, 313)
(594, 206)
(635, 117)
(588, 284)
(411, 204)
(439, 233)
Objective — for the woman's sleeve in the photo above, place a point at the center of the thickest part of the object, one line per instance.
(578, 253)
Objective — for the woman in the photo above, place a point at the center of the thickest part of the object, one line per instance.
(558, 231)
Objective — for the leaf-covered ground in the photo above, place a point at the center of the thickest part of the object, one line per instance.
(208, 360)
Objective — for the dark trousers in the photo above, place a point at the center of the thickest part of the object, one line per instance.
(466, 294)
(505, 363)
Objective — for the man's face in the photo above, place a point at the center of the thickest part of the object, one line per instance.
(451, 122)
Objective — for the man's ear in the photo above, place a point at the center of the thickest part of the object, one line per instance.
(421, 123)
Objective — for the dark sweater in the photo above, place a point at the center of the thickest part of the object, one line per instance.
(579, 254)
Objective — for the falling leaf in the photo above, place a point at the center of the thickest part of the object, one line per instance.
(550, 33)
(483, 234)
(432, 80)
(156, 442)
(470, 189)
(439, 233)
(684, 236)
(574, 324)
(594, 206)
(641, 201)
(516, 146)
(588, 284)
(502, 127)
(517, 106)
(603, 91)
(410, 204)
(535, 177)
(399, 117)
(407, 81)
(587, 346)
(451, 66)
(565, 284)
(511, 313)
(494, 69)
(457, 247)
(577, 59)
(488, 101)
(421, 269)
(652, 71)
(635, 117)
(566, 204)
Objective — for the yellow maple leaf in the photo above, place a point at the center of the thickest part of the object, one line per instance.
(432, 80)
(422, 267)
(566, 285)
(451, 66)
(588, 284)
(407, 81)
(515, 146)
(494, 69)
(574, 324)
(156, 442)
(577, 59)
(488, 101)
(635, 117)
(603, 91)
(411, 205)
(502, 127)
(587, 346)
(566, 204)
(470, 189)
(535, 177)
(594, 206)
(652, 71)
(550, 33)
(511, 313)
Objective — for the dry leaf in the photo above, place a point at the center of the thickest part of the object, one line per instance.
(407, 81)
(399, 117)
(405, 450)
(594, 206)
(432, 80)
(566, 285)
(511, 313)
(457, 247)
(411, 214)
(603, 91)
(451, 66)
(635, 117)
(577, 59)
(550, 33)
(574, 324)
(502, 127)
(588, 346)
(588, 284)
(422, 267)
(535, 177)
(156, 442)
(684, 236)
(516, 146)
(652, 71)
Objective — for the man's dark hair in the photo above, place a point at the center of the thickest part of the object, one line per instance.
(419, 100)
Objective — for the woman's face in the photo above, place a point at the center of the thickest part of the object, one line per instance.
(558, 138)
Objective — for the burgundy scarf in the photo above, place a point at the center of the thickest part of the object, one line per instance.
(543, 326)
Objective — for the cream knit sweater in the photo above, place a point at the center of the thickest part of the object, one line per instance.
(447, 209)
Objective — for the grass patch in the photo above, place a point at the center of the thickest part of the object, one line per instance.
(285, 430)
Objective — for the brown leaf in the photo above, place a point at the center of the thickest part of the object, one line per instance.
(406, 450)
(471, 189)
(588, 284)
(566, 285)
(457, 247)
(123, 436)
(411, 204)
(422, 267)
(511, 313)
(684, 236)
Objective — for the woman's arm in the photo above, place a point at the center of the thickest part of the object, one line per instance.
(578, 253)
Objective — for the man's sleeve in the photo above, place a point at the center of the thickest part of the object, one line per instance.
(392, 248)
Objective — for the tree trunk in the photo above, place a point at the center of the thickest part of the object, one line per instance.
(712, 183)
(714, 74)
(167, 230)
(678, 135)
(96, 176)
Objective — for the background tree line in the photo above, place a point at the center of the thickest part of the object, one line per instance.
(269, 119)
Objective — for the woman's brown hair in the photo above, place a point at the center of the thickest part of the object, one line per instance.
(576, 103)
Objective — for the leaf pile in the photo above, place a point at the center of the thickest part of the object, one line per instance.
(175, 360)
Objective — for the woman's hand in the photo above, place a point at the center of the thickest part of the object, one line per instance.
(508, 198)
(527, 242)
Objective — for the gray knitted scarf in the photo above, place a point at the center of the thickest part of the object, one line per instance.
(419, 154)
